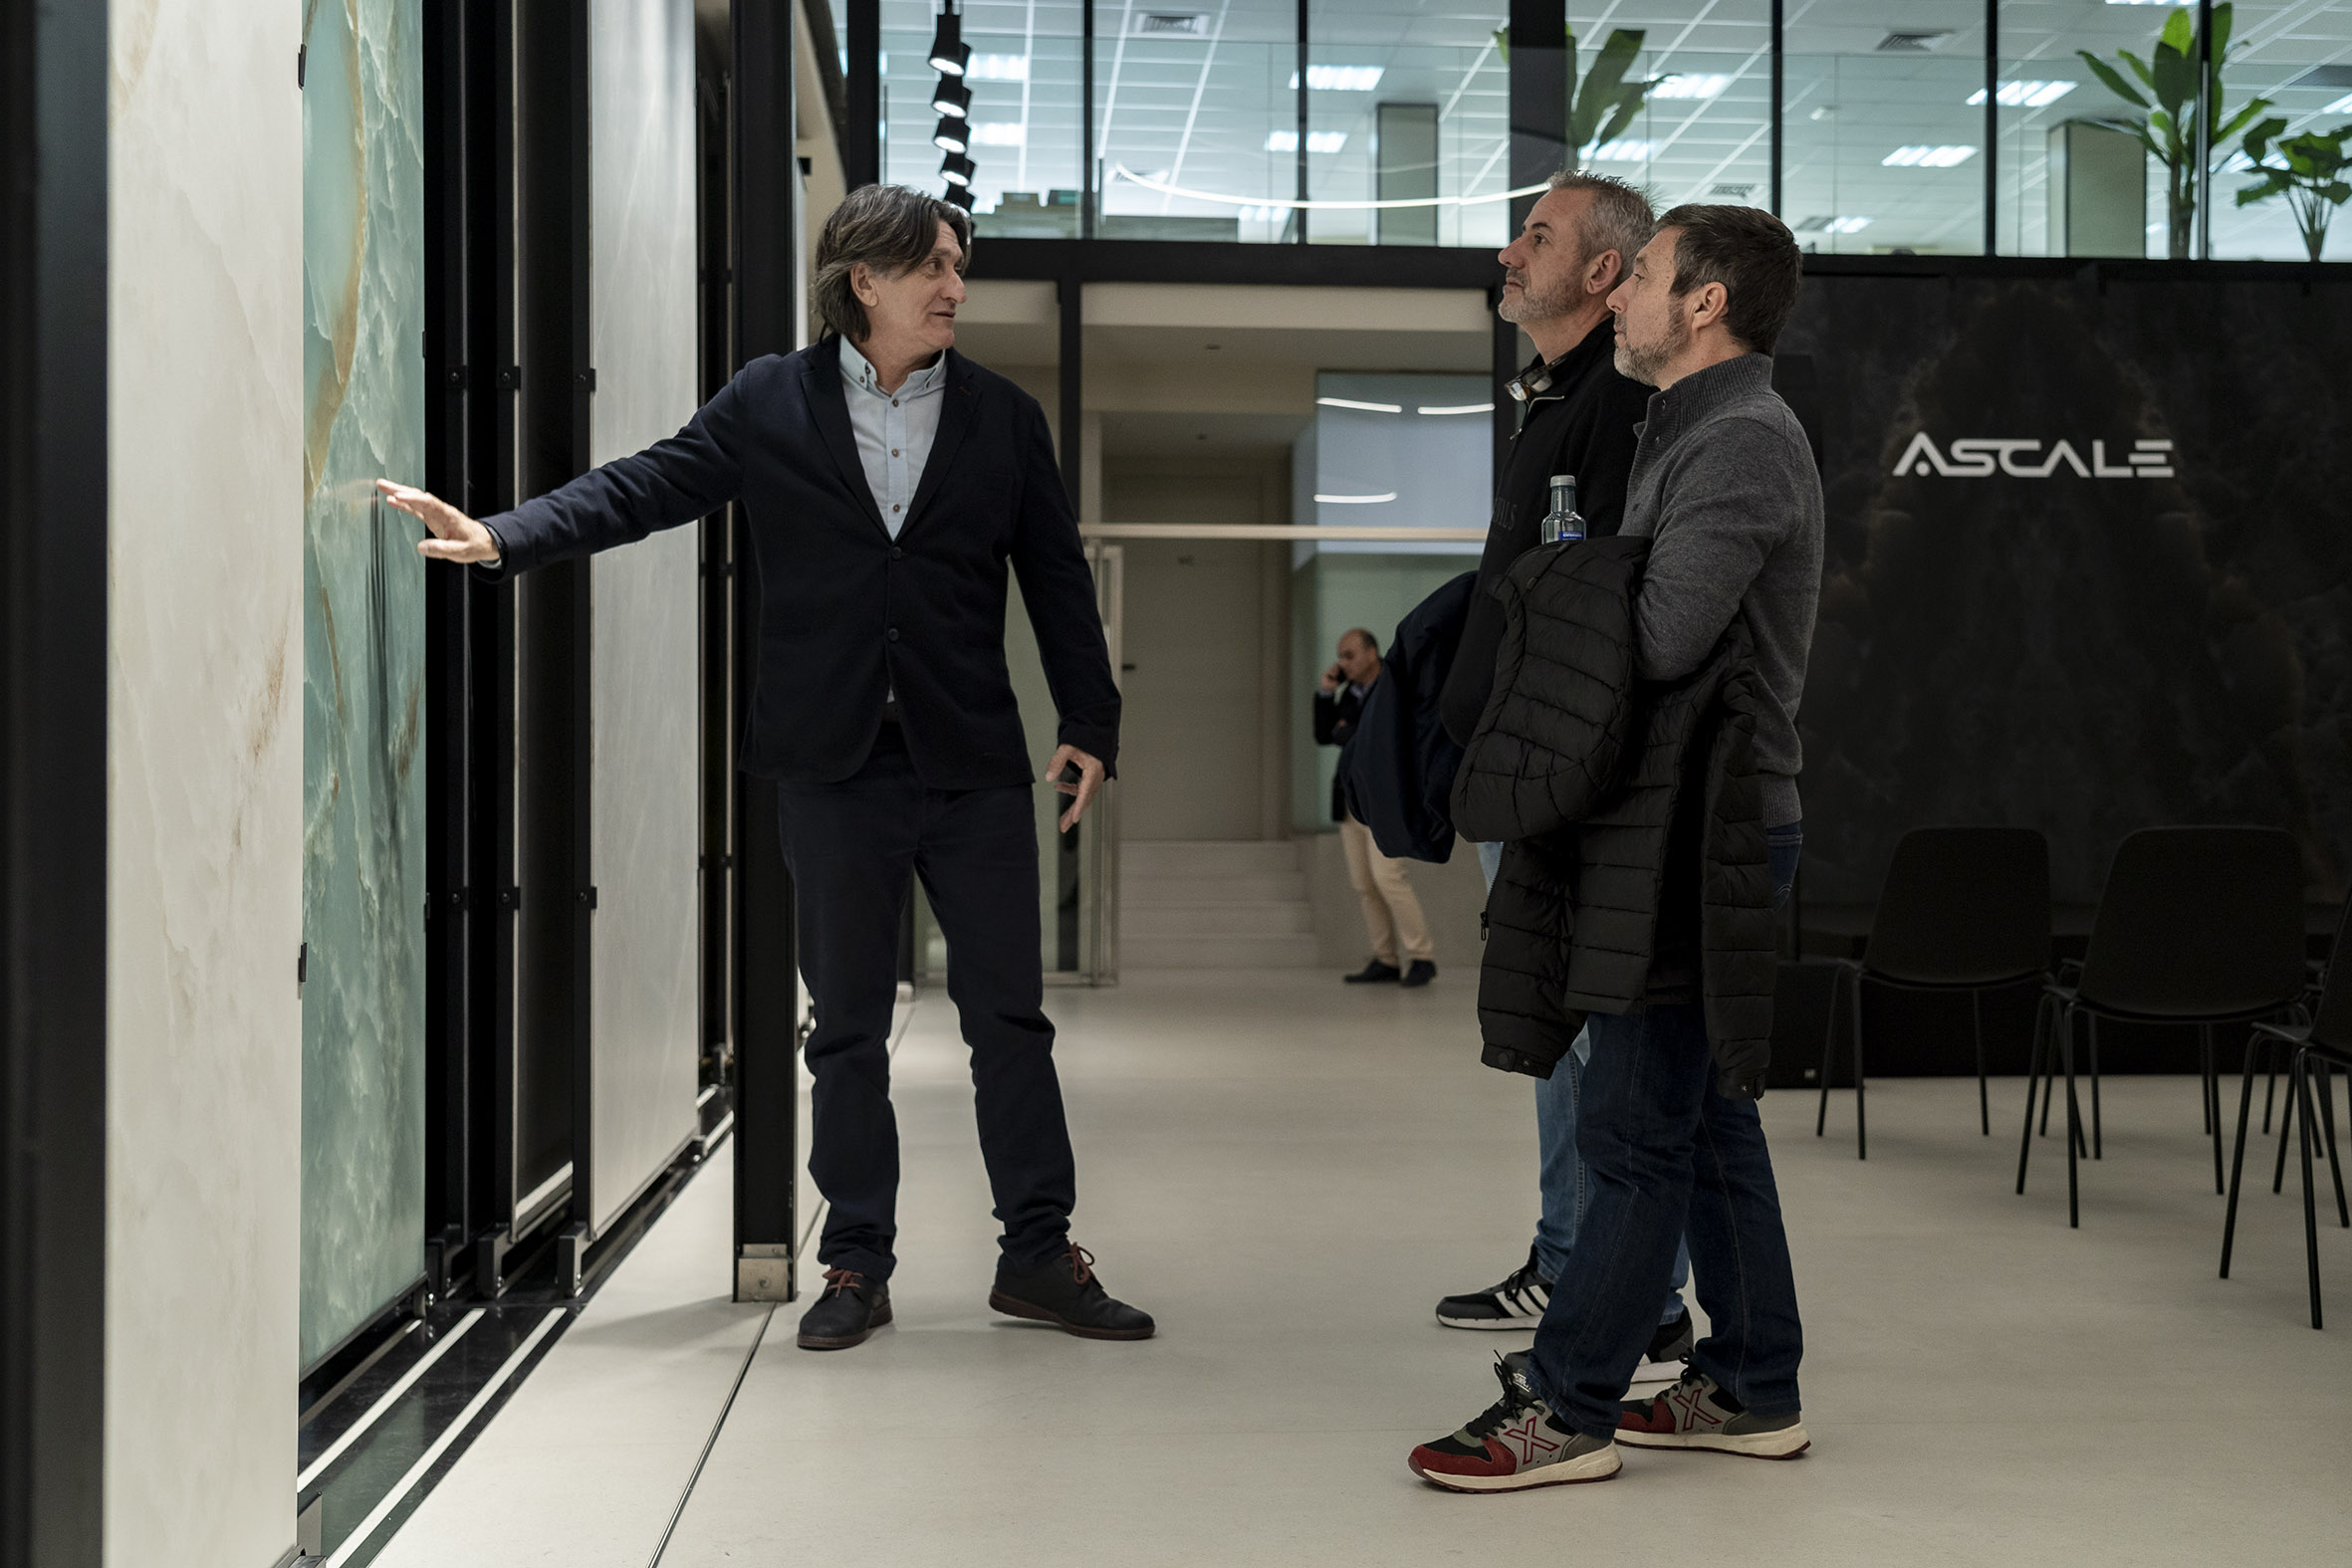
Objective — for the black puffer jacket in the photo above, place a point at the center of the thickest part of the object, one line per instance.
(1635, 864)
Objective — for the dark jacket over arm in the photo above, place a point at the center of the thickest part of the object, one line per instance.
(848, 614)
(1583, 424)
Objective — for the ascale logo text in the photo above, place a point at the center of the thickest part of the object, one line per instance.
(1982, 457)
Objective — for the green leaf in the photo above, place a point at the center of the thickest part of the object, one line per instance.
(1604, 86)
(1622, 115)
(2237, 121)
(2110, 80)
(1502, 43)
(2179, 33)
(2259, 138)
(2262, 192)
(2221, 19)
(2176, 74)
(2139, 68)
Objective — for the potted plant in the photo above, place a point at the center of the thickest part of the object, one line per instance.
(2309, 172)
(1605, 104)
(2166, 96)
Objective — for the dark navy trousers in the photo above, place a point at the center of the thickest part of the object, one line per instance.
(851, 848)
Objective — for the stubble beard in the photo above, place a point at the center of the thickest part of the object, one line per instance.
(1643, 365)
(1533, 307)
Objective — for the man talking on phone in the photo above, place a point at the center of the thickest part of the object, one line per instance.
(888, 483)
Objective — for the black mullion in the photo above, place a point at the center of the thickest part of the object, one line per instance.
(862, 152)
(1992, 125)
(1780, 103)
(1087, 172)
(767, 279)
(448, 473)
(54, 78)
(1298, 214)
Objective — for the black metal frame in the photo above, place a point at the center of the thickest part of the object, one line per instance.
(767, 273)
(53, 778)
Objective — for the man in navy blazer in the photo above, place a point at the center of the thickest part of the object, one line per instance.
(888, 483)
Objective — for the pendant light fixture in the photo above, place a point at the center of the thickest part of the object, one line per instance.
(952, 97)
(951, 135)
(950, 54)
(957, 169)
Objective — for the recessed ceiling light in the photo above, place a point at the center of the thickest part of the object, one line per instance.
(1942, 157)
(2342, 106)
(1356, 501)
(2023, 95)
(1455, 408)
(999, 133)
(1369, 408)
(998, 68)
(1316, 140)
(1690, 84)
(1339, 78)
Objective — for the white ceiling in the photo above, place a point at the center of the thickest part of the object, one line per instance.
(1197, 110)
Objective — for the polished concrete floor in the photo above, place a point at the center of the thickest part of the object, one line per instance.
(1288, 1173)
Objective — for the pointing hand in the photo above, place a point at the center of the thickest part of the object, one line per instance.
(456, 536)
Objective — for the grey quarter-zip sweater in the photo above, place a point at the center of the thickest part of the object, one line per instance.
(1724, 488)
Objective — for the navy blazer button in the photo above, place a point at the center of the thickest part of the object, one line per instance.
(895, 552)
(893, 634)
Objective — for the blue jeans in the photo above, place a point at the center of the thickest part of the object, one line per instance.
(1668, 1158)
(1560, 1174)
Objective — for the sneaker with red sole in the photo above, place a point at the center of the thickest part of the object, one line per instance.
(1701, 1415)
(1518, 1444)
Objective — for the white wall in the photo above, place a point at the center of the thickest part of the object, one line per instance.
(644, 835)
(204, 809)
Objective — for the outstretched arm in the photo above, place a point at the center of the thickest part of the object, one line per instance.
(672, 482)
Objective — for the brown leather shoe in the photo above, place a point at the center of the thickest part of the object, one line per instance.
(848, 1312)
(1067, 1294)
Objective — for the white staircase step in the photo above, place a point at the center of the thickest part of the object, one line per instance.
(1228, 951)
(1215, 920)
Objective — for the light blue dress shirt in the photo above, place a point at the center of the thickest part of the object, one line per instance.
(894, 429)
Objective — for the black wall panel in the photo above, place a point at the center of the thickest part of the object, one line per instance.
(2101, 646)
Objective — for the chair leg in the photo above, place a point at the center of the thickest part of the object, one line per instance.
(2286, 1122)
(2299, 1091)
(2073, 1120)
(2270, 1050)
(2213, 1104)
(1828, 1048)
(1862, 1114)
(2041, 1017)
(2327, 1120)
(2049, 1065)
(1984, 1096)
(2246, 1105)
(2098, 1151)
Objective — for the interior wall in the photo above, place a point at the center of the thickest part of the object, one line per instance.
(644, 835)
(1194, 753)
(204, 801)
(363, 869)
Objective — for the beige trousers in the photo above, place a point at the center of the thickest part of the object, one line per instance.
(1392, 915)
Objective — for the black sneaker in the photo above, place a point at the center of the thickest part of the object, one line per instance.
(1372, 973)
(1421, 974)
(850, 1309)
(1066, 1293)
(1518, 1302)
(1518, 1443)
(1668, 1348)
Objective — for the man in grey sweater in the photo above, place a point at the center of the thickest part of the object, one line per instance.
(1725, 486)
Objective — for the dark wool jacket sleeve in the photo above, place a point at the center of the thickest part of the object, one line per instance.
(1051, 561)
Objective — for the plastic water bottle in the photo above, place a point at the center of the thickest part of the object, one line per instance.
(1563, 522)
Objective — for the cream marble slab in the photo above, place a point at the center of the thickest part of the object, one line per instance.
(204, 806)
(645, 812)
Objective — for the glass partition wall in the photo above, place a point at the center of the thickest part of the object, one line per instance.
(1867, 126)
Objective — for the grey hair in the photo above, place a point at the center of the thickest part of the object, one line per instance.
(1618, 218)
(889, 228)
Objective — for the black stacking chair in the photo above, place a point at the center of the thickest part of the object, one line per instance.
(2197, 926)
(2325, 1044)
(1963, 909)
